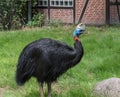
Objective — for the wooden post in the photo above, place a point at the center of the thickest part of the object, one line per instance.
(29, 10)
(74, 11)
(49, 10)
(83, 11)
(107, 12)
(118, 10)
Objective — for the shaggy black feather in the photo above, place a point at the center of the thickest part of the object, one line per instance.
(47, 59)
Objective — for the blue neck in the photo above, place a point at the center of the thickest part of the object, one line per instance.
(77, 32)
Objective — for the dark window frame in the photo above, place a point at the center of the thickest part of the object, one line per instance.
(56, 3)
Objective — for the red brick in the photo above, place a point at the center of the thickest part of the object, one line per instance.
(95, 13)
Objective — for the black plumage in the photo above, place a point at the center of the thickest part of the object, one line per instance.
(46, 60)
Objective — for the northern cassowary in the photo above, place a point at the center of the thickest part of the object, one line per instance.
(47, 59)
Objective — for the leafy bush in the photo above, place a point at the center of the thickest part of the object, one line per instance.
(54, 23)
(37, 20)
(12, 14)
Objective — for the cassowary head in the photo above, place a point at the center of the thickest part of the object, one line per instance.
(79, 30)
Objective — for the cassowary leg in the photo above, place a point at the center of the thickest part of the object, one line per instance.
(41, 90)
(49, 89)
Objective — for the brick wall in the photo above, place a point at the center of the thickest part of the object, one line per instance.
(95, 13)
(64, 15)
(114, 18)
(44, 11)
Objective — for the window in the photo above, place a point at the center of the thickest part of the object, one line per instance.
(42, 2)
(56, 3)
(61, 3)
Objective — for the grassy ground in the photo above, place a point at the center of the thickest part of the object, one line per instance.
(101, 60)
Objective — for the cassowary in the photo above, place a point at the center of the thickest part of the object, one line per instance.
(47, 59)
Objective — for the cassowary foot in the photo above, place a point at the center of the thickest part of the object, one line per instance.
(49, 89)
(41, 90)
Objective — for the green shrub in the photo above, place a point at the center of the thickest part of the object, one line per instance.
(54, 23)
(37, 20)
(12, 14)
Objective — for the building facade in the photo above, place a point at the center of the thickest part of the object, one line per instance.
(92, 12)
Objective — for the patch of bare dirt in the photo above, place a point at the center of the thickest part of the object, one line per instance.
(2, 91)
(57, 88)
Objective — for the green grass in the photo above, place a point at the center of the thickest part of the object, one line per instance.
(101, 60)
